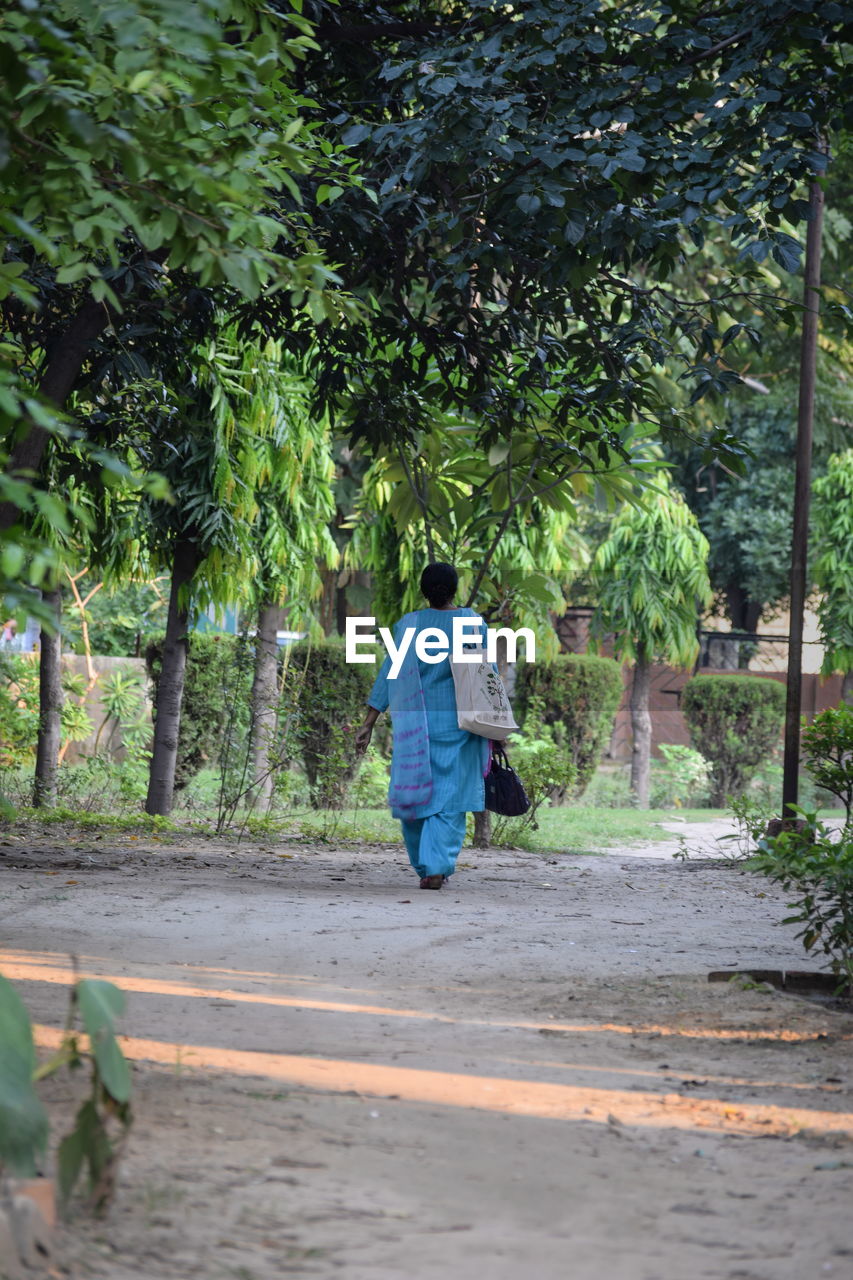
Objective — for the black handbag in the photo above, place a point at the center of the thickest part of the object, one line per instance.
(505, 792)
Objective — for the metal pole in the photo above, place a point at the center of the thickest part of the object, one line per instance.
(802, 491)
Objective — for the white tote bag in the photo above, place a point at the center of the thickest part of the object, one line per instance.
(482, 706)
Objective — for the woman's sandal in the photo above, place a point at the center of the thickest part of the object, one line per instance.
(432, 882)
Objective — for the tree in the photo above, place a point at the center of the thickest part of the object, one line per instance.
(506, 518)
(652, 579)
(832, 540)
(263, 398)
(747, 519)
(533, 174)
(115, 209)
(245, 519)
(201, 537)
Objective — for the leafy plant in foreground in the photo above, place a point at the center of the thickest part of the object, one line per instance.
(23, 1120)
(817, 864)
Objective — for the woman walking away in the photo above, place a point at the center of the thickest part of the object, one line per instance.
(436, 768)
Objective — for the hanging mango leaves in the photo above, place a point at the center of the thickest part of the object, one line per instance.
(506, 517)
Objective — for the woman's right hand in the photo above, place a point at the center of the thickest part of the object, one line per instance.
(363, 735)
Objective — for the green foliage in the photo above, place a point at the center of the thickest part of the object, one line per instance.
(609, 788)
(101, 785)
(832, 539)
(28, 562)
(118, 617)
(505, 520)
(24, 1127)
(680, 779)
(546, 768)
(734, 721)
(120, 103)
(814, 861)
(816, 864)
(538, 173)
(90, 1144)
(123, 701)
(107, 119)
(369, 790)
(751, 814)
(260, 400)
(827, 745)
(651, 579)
(747, 518)
(216, 688)
(578, 696)
(23, 1121)
(249, 473)
(331, 697)
(19, 708)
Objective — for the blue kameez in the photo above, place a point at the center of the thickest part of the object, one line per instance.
(435, 830)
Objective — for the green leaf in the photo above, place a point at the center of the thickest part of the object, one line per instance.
(354, 134)
(23, 1121)
(87, 1143)
(100, 1003)
(528, 203)
(787, 254)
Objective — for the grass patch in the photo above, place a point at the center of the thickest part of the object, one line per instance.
(573, 829)
(89, 821)
(578, 828)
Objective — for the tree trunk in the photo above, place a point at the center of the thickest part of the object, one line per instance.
(641, 730)
(265, 699)
(847, 688)
(50, 707)
(744, 614)
(723, 654)
(482, 829)
(170, 686)
(62, 370)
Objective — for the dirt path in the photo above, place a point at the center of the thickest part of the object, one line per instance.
(525, 1075)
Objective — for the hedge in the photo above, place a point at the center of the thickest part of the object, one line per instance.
(579, 695)
(735, 721)
(217, 681)
(329, 695)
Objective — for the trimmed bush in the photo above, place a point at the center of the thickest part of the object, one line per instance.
(577, 694)
(216, 697)
(329, 694)
(735, 722)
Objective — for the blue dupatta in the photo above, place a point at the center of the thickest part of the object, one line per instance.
(411, 776)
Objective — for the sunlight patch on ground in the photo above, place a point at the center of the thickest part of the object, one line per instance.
(25, 971)
(513, 1097)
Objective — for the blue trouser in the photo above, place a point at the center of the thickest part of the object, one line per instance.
(434, 842)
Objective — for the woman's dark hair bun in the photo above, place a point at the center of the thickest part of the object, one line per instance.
(438, 583)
